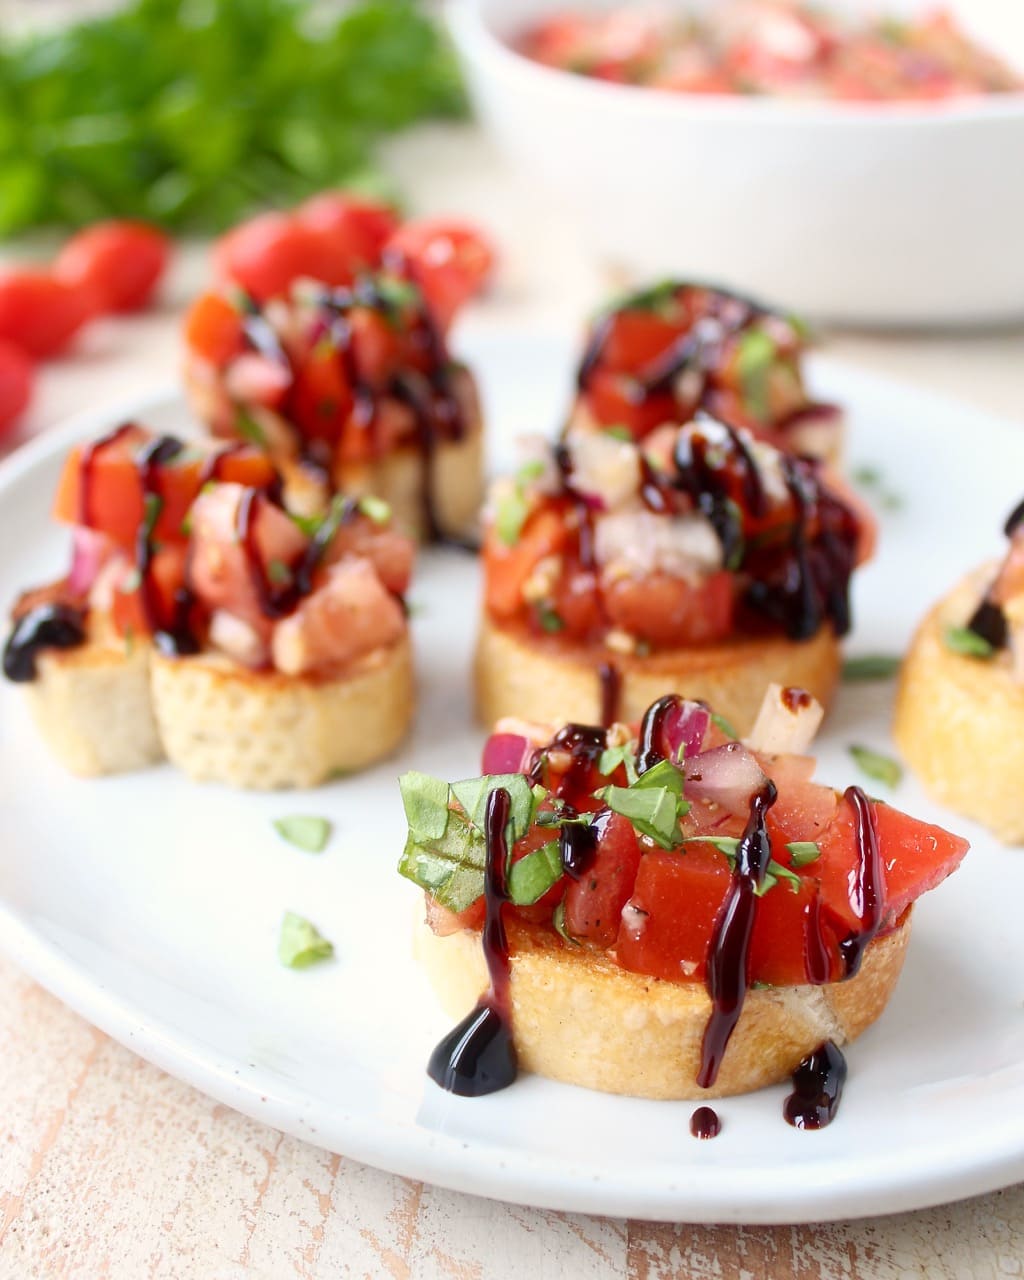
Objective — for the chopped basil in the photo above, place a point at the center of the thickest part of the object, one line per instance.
(800, 327)
(664, 774)
(426, 802)
(875, 765)
(306, 524)
(513, 508)
(301, 943)
(450, 868)
(619, 432)
(755, 356)
(653, 811)
(610, 759)
(304, 832)
(529, 471)
(279, 573)
(375, 509)
(472, 795)
(532, 876)
(871, 478)
(964, 641)
(249, 429)
(725, 726)
(803, 852)
(774, 872)
(549, 619)
(153, 504)
(558, 923)
(397, 293)
(871, 666)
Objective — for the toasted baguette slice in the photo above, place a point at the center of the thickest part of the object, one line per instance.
(959, 721)
(577, 1017)
(542, 678)
(222, 723)
(92, 704)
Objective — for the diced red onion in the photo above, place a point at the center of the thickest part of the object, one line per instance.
(685, 726)
(88, 552)
(256, 379)
(727, 775)
(507, 753)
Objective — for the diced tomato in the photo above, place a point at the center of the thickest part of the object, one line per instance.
(577, 603)
(165, 578)
(635, 338)
(376, 346)
(358, 228)
(265, 254)
(916, 856)
(17, 375)
(611, 398)
(321, 399)
(213, 329)
(116, 502)
(450, 261)
(120, 261)
(667, 610)
(391, 553)
(506, 568)
(40, 313)
(594, 902)
(667, 922)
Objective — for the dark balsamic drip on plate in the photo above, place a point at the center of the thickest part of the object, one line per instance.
(867, 886)
(729, 947)
(48, 626)
(87, 463)
(705, 1123)
(479, 1055)
(817, 1088)
(649, 751)
(610, 680)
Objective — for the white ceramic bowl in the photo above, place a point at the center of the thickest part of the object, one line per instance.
(891, 215)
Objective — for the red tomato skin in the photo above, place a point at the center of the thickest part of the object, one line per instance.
(40, 313)
(359, 228)
(166, 577)
(17, 377)
(451, 262)
(670, 611)
(611, 400)
(214, 329)
(266, 253)
(594, 902)
(122, 262)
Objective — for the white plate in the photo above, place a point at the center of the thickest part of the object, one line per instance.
(152, 906)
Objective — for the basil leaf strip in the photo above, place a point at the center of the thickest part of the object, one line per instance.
(472, 795)
(301, 943)
(304, 832)
(882, 768)
(450, 869)
(532, 876)
(803, 852)
(653, 811)
(964, 641)
(426, 802)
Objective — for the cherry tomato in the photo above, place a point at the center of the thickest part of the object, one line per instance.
(265, 254)
(16, 378)
(121, 262)
(358, 229)
(213, 329)
(40, 313)
(450, 261)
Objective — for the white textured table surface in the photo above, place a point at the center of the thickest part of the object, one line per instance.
(110, 1168)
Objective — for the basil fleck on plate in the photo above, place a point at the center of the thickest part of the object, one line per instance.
(154, 907)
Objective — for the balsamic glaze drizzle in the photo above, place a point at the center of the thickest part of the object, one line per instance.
(867, 887)
(48, 626)
(727, 977)
(610, 680)
(705, 1123)
(817, 1088)
(649, 752)
(479, 1055)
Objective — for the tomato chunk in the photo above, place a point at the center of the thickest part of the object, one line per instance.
(594, 902)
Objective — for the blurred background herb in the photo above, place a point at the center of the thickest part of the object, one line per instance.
(190, 113)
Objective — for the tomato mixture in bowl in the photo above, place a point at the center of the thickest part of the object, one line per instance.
(778, 48)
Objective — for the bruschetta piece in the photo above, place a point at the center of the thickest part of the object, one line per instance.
(203, 622)
(959, 719)
(350, 390)
(700, 560)
(662, 911)
(660, 354)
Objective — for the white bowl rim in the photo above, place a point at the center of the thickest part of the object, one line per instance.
(474, 36)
